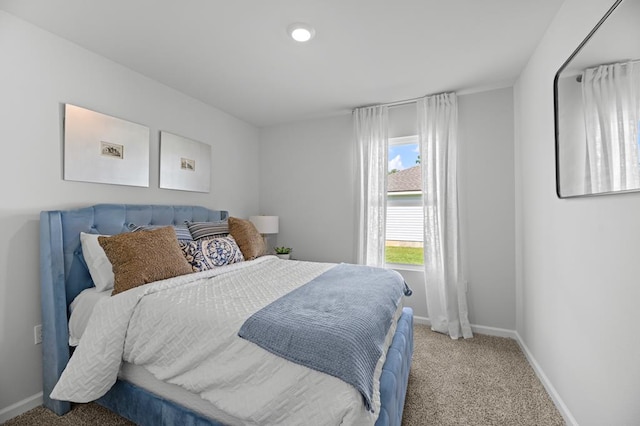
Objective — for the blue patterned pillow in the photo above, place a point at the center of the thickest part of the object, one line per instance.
(209, 254)
(182, 232)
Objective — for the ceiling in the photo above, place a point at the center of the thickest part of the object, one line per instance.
(236, 55)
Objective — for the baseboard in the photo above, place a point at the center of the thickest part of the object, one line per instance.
(20, 407)
(555, 397)
(480, 329)
(493, 331)
(512, 334)
(421, 320)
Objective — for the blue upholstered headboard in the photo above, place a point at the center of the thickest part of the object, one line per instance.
(63, 274)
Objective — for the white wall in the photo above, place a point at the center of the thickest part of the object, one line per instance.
(308, 178)
(487, 185)
(39, 72)
(577, 260)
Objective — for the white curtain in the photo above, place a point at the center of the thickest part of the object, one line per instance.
(371, 128)
(443, 262)
(611, 96)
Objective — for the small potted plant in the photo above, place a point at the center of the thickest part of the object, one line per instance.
(283, 252)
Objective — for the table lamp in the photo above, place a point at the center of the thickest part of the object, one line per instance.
(265, 225)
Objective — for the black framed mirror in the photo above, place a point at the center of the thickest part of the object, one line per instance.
(597, 108)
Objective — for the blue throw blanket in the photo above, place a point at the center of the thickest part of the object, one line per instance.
(336, 323)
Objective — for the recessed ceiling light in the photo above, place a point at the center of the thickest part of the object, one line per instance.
(301, 32)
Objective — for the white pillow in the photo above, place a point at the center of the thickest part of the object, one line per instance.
(80, 311)
(97, 261)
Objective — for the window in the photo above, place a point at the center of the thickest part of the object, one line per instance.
(405, 224)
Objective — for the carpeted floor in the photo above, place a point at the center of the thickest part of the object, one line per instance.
(481, 381)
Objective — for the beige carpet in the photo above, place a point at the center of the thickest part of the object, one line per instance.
(481, 381)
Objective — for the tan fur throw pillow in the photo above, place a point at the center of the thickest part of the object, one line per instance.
(143, 257)
(248, 238)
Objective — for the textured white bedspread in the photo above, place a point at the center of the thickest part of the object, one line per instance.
(184, 331)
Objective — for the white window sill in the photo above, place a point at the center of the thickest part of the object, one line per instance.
(405, 267)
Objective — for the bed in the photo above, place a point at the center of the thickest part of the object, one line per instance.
(64, 276)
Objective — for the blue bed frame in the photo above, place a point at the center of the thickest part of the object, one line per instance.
(63, 276)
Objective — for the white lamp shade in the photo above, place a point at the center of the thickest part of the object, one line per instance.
(265, 224)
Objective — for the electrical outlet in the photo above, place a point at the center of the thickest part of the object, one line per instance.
(37, 334)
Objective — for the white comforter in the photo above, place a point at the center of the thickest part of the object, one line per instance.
(184, 331)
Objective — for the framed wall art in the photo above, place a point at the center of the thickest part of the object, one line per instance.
(103, 149)
(184, 163)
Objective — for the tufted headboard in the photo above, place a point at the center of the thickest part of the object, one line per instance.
(63, 274)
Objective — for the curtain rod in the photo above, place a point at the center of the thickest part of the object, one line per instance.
(404, 102)
(391, 104)
(632, 61)
(400, 103)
